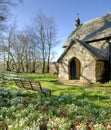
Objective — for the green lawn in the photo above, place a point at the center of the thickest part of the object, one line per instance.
(69, 106)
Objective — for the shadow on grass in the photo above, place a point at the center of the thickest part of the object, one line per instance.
(81, 106)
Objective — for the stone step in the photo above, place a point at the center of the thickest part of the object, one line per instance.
(72, 82)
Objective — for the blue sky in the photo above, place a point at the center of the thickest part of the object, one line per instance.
(64, 13)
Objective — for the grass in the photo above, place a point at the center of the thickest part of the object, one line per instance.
(80, 107)
(42, 77)
(108, 84)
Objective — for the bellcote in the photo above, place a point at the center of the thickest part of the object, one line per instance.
(77, 22)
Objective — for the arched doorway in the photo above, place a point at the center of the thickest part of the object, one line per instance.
(74, 69)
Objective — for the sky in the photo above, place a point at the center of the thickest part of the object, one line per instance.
(64, 13)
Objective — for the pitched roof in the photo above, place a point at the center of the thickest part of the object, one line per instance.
(95, 29)
(87, 47)
(91, 50)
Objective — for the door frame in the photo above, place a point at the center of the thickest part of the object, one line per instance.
(77, 67)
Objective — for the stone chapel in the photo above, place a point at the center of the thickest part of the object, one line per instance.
(87, 52)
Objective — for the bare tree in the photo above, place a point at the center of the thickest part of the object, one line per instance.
(21, 51)
(5, 12)
(34, 53)
(24, 50)
(4, 17)
(46, 35)
(50, 39)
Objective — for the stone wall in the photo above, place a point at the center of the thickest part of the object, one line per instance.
(102, 47)
(99, 71)
(87, 70)
(53, 68)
